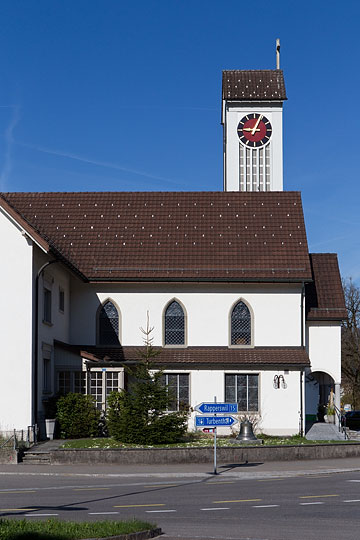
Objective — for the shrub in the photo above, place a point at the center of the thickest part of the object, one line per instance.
(135, 416)
(77, 416)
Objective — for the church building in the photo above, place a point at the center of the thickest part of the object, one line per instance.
(241, 310)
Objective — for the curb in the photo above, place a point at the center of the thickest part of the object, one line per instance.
(241, 475)
(143, 535)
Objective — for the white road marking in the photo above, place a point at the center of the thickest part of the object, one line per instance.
(158, 511)
(37, 515)
(101, 513)
(10, 491)
(353, 480)
(266, 506)
(307, 504)
(205, 509)
(353, 500)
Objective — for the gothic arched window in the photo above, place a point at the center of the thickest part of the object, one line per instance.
(240, 325)
(174, 324)
(109, 325)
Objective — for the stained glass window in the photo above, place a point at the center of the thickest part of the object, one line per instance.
(108, 325)
(174, 324)
(240, 325)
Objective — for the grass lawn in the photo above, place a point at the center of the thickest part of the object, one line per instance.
(53, 529)
(193, 441)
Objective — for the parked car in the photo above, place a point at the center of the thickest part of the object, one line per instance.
(352, 419)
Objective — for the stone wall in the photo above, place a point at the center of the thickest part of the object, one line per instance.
(234, 454)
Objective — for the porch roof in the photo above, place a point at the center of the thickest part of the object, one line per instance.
(198, 357)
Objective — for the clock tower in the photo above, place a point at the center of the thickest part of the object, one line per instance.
(252, 104)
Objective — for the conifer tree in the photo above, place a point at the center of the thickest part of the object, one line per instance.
(139, 414)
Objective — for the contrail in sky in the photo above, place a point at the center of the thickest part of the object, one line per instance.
(7, 167)
(83, 159)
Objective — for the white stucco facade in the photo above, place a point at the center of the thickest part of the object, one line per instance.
(279, 408)
(276, 311)
(16, 325)
(233, 112)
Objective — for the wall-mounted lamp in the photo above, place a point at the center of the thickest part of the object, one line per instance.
(279, 382)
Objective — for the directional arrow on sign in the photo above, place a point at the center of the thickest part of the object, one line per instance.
(214, 421)
(217, 408)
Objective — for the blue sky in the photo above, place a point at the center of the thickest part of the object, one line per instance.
(117, 95)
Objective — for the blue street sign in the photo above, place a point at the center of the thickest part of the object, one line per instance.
(217, 408)
(213, 421)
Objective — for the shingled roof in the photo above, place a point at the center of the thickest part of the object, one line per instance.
(197, 357)
(253, 85)
(173, 235)
(324, 296)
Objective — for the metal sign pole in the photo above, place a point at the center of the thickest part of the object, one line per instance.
(215, 471)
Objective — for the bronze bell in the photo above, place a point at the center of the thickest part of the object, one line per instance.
(246, 432)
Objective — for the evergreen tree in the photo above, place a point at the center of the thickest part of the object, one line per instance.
(139, 414)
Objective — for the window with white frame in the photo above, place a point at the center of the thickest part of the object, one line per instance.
(102, 382)
(240, 325)
(243, 389)
(178, 390)
(174, 324)
(108, 325)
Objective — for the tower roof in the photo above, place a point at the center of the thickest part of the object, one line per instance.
(254, 85)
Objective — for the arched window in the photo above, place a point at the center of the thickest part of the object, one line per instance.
(174, 324)
(108, 325)
(240, 325)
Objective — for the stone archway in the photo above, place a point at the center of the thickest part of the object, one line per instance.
(318, 389)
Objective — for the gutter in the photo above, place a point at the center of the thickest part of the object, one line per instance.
(196, 280)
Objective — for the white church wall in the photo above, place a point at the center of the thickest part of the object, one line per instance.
(15, 326)
(324, 348)
(279, 409)
(276, 311)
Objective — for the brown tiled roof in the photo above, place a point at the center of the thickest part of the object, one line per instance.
(24, 224)
(200, 357)
(325, 297)
(254, 85)
(173, 235)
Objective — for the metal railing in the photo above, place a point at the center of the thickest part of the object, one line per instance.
(28, 437)
(341, 421)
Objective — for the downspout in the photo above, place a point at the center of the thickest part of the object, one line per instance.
(302, 369)
(302, 313)
(36, 341)
(301, 404)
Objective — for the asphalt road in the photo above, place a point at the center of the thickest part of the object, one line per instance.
(224, 507)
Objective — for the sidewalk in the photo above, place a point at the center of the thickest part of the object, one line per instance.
(238, 470)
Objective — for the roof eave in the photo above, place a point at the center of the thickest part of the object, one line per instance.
(199, 280)
(23, 225)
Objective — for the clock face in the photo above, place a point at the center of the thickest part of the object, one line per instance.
(254, 130)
